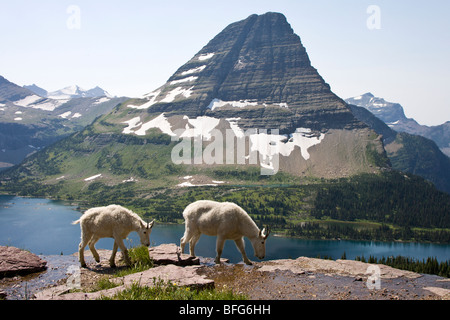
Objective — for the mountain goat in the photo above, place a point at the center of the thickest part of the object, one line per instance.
(111, 222)
(225, 220)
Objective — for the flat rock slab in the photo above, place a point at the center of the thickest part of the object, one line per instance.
(341, 267)
(170, 254)
(14, 261)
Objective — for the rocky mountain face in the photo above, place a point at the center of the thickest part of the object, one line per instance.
(394, 116)
(256, 69)
(30, 122)
(36, 89)
(12, 92)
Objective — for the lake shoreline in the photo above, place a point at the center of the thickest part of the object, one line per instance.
(80, 206)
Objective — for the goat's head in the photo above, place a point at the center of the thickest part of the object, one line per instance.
(259, 243)
(144, 232)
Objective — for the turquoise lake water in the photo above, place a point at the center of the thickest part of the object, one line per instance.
(44, 227)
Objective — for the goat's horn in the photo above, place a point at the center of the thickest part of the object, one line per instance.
(266, 234)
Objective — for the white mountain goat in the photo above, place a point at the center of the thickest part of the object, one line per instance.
(111, 222)
(225, 220)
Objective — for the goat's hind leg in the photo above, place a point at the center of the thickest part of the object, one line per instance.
(188, 234)
(113, 255)
(183, 241)
(192, 242)
(192, 238)
(220, 242)
(92, 243)
(83, 243)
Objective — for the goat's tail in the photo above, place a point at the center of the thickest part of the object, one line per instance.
(76, 222)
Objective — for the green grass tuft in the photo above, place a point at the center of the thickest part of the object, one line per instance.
(162, 290)
(140, 261)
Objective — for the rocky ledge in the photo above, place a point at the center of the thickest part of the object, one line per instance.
(318, 279)
(301, 278)
(170, 265)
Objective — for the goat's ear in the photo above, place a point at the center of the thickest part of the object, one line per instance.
(150, 224)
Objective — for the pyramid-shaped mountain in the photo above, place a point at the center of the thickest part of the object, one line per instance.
(258, 70)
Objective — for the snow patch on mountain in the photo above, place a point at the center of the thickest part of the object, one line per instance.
(159, 122)
(170, 97)
(102, 100)
(133, 123)
(65, 114)
(206, 56)
(25, 102)
(188, 79)
(93, 177)
(267, 145)
(217, 103)
(194, 70)
(153, 97)
(270, 145)
(202, 126)
(75, 91)
(37, 102)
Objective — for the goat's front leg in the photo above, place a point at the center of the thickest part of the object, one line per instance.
(124, 250)
(220, 242)
(113, 255)
(240, 244)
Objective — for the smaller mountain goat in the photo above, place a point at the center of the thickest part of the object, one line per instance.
(225, 220)
(111, 222)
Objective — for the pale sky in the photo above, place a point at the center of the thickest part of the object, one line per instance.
(132, 47)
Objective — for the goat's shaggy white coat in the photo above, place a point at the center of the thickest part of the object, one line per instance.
(113, 221)
(225, 220)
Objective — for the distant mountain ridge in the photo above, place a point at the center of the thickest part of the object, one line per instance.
(38, 90)
(31, 119)
(69, 92)
(394, 116)
(408, 152)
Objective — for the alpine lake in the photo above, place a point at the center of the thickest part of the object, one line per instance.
(44, 227)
